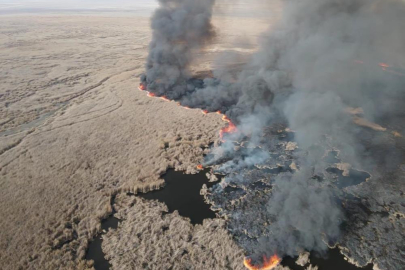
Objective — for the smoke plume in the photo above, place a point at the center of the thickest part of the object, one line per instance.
(180, 27)
(304, 216)
(324, 57)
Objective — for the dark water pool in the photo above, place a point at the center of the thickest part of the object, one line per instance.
(182, 193)
(94, 251)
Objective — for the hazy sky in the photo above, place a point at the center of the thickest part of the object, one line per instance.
(77, 4)
(236, 7)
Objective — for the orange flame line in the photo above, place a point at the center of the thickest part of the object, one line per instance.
(165, 98)
(268, 264)
(226, 119)
(231, 128)
(384, 67)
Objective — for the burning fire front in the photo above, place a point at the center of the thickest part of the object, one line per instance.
(267, 264)
(231, 128)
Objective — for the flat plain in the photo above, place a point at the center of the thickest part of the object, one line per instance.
(75, 131)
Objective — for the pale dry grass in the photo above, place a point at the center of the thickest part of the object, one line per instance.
(76, 130)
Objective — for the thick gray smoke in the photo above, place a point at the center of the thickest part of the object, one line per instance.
(331, 51)
(179, 28)
(304, 216)
(324, 57)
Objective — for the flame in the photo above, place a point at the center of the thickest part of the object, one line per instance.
(200, 167)
(226, 119)
(231, 128)
(383, 65)
(165, 98)
(268, 264)
(142, 87)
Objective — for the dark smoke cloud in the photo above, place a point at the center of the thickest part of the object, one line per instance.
(179, 28)
(322, 58)
(317, 44)
(304, 216)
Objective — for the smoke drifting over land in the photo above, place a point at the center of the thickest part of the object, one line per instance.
(322, 58)
(179, 28)
(303, 210)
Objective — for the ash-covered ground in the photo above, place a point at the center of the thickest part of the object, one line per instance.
(371, 198)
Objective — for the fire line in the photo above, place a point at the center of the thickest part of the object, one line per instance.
(229, 129)
(268, 263)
